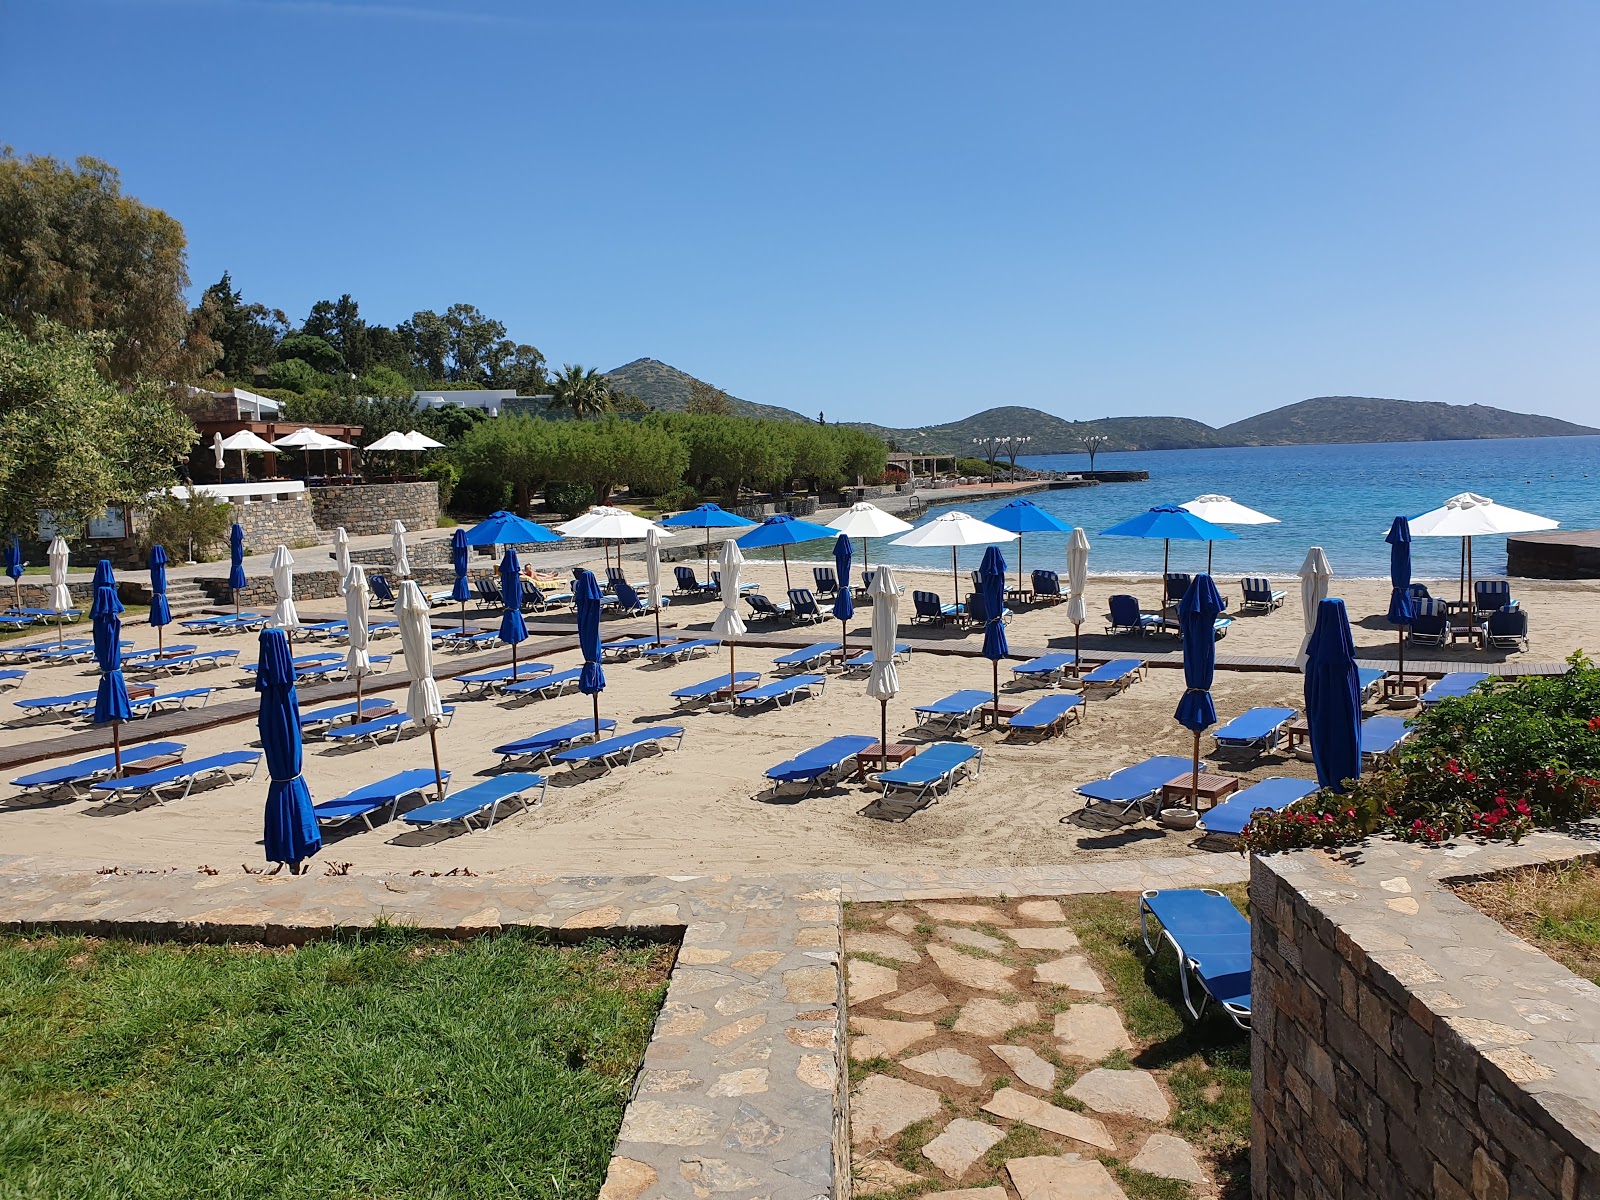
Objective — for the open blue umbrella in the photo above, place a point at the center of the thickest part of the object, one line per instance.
(14, 567)
(706, 517)
(844, 604)
(160, 610)
(992, 583)
(1333, 698)
(290, 833)
(460, 592)
(236, 580)
(592, 677)
(1197, 620)
(508, 529)
(1024, 516)
(1169, 523)
(111, 698)
(512, 627)
(783, 531)
(1402, 608)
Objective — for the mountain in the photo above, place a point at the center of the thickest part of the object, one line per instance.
(668, 389)
(1048, 434)
(1328, 419)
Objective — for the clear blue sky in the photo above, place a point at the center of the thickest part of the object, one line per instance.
(899, 212)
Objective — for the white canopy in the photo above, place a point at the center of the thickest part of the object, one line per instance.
(1471, 515)
(391, 441)
(300, 439)
(249, 443)
(868, 520)
(955, 529)
(610, 524)
(421, 441)
(1222, 510)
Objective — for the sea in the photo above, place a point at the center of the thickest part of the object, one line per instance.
(1341, 498)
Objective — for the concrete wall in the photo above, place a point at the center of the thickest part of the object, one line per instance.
(373, 507)
(1405, 1045)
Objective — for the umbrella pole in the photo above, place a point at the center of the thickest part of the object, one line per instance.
(161, 641)
(236, 602)
(1210, 546)
(116, 745)
(844, 640)
(513, 662)
(1077, 657)
(359, 702)
(658, 623)
(597, 716)
(1194, 778)
(883, 743)
(1166, 562)
(438, 775)
(995, 715)
(784, 550)
(463, 618)
(730, 663)
(1400, 647)
(59, 642)
(1461, 592)
(1019, 562)
(708, 552)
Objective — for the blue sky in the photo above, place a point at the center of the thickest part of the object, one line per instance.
(894, 212)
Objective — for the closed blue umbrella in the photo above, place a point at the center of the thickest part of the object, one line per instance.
(782, 530)
(103, 576)
(706, 517)
(844, 604)
(1333, 698)
(14, 567)
(592, 677)
(236, 580)
(111, 698)
(160, 610)
(1169, 523)
(512, 627)
(460, 593)
(508, 529)
(1024, 516)
(1402, 608)
(992, 583)
(1197, 619)
(290, 834)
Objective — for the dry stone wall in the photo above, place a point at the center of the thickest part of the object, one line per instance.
(374, 507)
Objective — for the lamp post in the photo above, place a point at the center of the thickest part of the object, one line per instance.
(991, 451)
(1013, 445)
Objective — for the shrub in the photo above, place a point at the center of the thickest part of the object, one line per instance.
(448, 475)
(1512, 757)
(678, 499)
(568, 499)
(177, 523)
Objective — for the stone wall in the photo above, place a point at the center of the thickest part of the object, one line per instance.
(1407, 1046)
(373, 507)
(276, 523)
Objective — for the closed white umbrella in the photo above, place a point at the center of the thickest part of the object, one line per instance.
(397, 549)
(729, 625)
(357, 663)
(955, 529)
(1315, 575)
(1077, 579)
(217, 452)
(423, 705)
(1470, 515)
(652, 575)
(883, 680)
(60, 594)
(341, 560)
(867, 521)
(283, 614)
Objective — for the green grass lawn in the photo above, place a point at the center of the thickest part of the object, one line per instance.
(385, 1066)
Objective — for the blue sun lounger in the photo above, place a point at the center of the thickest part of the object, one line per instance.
(152, 783)
(482, 682)
(327, 629)
(808, 656)
(955, 711)
(485, 796)
(1118, 674)
(1047, 669)
(1453, 686)
(35, 651)
(544, 686)
(1381, 736)
(372, 732)
(367, 799)
(303, 662)
(11, 679)
(939, 765)
(1231, 816)
(477, 639)
(87, 770)
(69, 703)
(1254, 731)
(547, 742)
(1369, 678)
(781, 692)
(669, 652)
(624, 648)
(45, 615)
(227, 624)
(340, 666)
(1212, 940)
(1133, 786)
(321, 718)
(618, 751)
(169, 701)
(819, 763)
(137, 657)
(1048, 716)
(708, 689)
(862, 662)
(79, 652)
(182, 663)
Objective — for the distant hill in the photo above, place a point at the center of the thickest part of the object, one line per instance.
(1328, 419)
(1049, 434)
(667, 388)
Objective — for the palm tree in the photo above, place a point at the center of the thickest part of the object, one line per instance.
(585, 393)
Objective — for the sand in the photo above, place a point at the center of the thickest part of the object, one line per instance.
(704, 807)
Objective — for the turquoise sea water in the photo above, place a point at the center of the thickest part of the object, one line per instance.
(1339, 497)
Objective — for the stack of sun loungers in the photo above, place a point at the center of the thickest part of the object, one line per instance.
(955, 711)
(1212, 941)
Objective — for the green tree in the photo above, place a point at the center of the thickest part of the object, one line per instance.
(862, 457)
(294, 375)
(613, 453)
(523, 370)
(338, 322)
(426, 340)
(310, 348)
(583, 393)
(521, 451)
(76, 251)
(384, 381)
(706, 400)
(248, 334)
(475, 344)
(70, 441)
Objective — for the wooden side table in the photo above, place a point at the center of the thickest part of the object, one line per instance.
(993, 713)
(1212, 788)
(892, 756)
(1411, 685)
(1299, 730)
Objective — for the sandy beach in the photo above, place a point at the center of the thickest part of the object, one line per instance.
(704, 807)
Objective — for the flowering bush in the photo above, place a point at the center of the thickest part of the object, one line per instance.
(1513, 756)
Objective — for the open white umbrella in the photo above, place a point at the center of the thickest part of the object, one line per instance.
(608, 524)
(391, 441)
(217, 452)
(421, 441)
(652, 575)
(729, 625)
(245, 443)
(1470, 515)
(883, 681)
(1224, 510)
(955, 529)
(423, 705)
(60, 594)
(397, 550)
(283, 614)
(341, 560)
(357, 663)
(1315, 575)
(867, 521)
(1077, 579)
